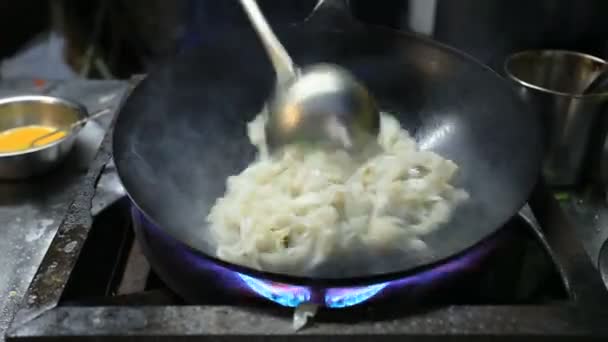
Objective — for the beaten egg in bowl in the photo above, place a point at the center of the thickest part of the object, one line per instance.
(22, 138)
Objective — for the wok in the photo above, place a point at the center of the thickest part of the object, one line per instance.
(182, 132)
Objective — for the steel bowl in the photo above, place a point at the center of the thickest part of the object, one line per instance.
(49, 111)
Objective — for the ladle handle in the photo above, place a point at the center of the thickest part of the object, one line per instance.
(94, 116)
(283, 65)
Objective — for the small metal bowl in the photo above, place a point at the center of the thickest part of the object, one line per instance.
(19, 111)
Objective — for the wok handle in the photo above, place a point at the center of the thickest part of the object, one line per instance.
(332, 14)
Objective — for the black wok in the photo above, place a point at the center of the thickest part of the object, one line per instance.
(183, 132)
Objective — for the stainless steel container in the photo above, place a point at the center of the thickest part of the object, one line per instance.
(37, 110)
(553, 82)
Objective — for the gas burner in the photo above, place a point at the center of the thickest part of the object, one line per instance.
(446, 274)
(343, 297)
(292, 296)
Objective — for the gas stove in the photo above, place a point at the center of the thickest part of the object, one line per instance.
(484, 274)
(489, 275)
(532, 279)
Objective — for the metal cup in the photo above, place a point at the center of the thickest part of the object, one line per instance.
(553, 83)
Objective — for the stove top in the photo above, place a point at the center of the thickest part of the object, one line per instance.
(94, 282)
(111, 269)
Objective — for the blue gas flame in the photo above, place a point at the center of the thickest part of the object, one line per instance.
(292, 296)
(285, 295)
(342, 298)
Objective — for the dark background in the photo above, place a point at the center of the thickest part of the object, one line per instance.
(130, 36)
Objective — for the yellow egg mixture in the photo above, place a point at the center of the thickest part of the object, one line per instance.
(21, 138)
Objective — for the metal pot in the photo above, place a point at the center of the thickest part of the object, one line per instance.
(553, 83)
(37, 110)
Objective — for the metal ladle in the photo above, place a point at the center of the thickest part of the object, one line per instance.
(322, 102)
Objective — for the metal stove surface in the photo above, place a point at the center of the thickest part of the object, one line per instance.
(102, 288)
(108, 291)
(31, 211)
